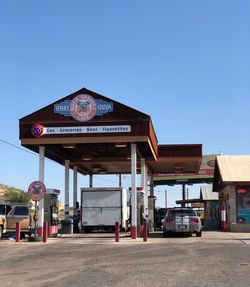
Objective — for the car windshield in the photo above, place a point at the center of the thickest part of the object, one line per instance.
(21, 210)
(162, 212)
(181, 212)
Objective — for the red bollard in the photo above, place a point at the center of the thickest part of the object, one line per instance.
(145, 232)
(117, 232)
(45, 232)
(18, 231)
(133, 232)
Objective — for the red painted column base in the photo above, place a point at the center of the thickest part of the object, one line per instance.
(133, 232)
(224, 225)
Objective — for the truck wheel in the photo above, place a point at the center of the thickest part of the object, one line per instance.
(165, 234)
(22, 235)
(1, 231)
(87, 229)
(198, 234)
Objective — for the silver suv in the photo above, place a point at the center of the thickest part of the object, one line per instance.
(181, 220)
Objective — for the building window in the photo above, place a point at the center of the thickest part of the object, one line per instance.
(243, 204)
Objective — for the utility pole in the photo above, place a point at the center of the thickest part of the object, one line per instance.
(183, 195)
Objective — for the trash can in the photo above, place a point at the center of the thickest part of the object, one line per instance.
(67, 226)
(76, 221)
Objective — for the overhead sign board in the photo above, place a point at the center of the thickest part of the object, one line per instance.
(205, 174)
(83, 107)
(38, 130)
(37, 190)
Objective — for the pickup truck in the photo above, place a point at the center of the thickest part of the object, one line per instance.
(10, 214)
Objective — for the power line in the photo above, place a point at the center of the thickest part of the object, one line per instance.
(22, 149)
(33, 153)
(18, 147)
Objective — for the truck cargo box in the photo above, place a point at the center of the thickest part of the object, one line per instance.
(102, 207)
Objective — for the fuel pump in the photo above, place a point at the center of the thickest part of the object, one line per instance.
(140, 211)
(51, 211)
(141, 216)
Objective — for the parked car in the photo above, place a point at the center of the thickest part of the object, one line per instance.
(182, 220)
(10, 214)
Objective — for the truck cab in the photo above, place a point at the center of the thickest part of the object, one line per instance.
(10, 214)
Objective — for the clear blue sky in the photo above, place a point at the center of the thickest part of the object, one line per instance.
(186, 63)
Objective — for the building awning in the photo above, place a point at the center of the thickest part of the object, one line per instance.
(206, 193)
(231, 169)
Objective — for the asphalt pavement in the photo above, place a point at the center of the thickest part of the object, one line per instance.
(215, 259)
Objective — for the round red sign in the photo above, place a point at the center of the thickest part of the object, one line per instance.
(37, 130)
(37, 190)
(83, 108)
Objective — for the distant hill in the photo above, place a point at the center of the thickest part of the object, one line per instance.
(9, 193)
(3, 189)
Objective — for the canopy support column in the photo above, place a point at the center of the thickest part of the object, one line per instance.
(90, 180)
(133, 226)
(75, 190)
(41, 202)
(183, 194)
(144, 172)
(120, 180)
(66, 188)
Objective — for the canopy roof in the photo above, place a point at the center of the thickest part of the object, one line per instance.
(180, 175)
(95, 133)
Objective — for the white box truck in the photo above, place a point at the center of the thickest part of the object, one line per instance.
(101, 208)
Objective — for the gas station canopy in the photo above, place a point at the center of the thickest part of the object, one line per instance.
(94, 133)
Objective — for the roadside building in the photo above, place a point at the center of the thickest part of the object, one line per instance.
(232, 181)
(211, 207)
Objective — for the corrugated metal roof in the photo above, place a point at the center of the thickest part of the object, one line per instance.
(234, 168)
(208, 194)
